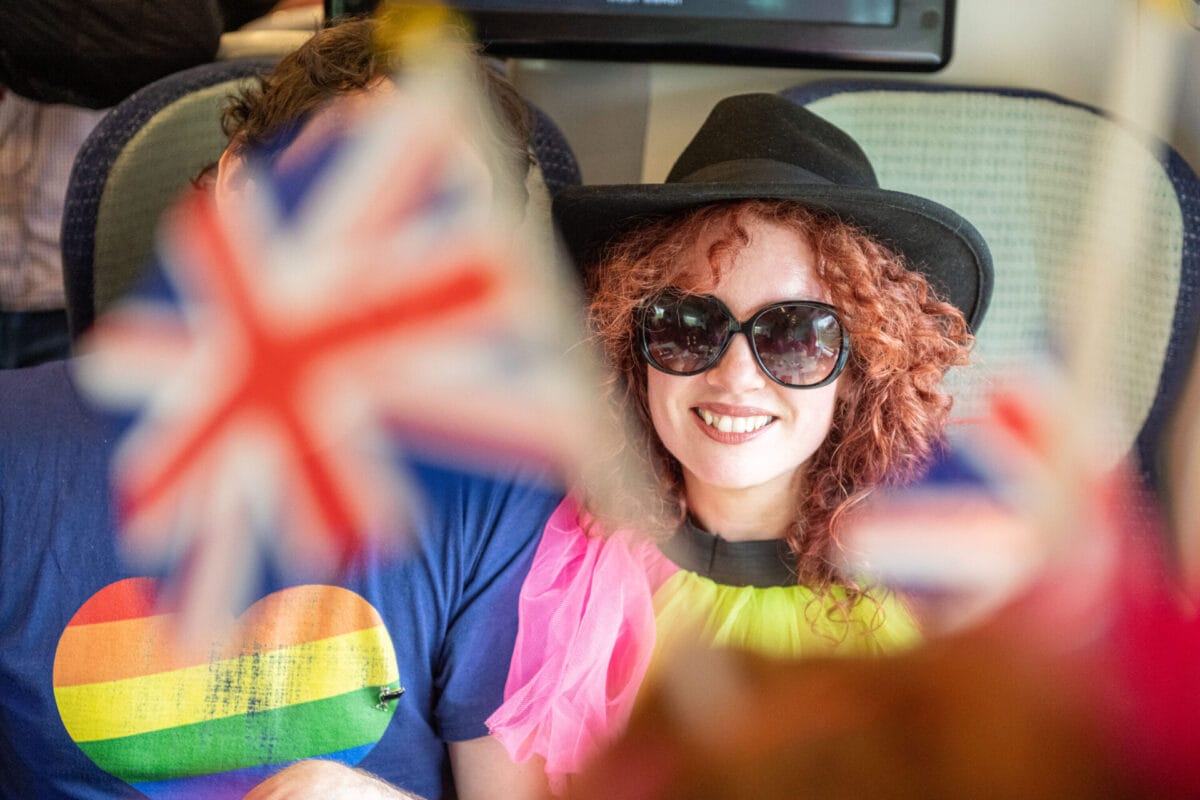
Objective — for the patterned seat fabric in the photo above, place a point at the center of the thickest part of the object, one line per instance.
(1023, 167)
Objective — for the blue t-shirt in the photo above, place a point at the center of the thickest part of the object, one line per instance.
(92, 703)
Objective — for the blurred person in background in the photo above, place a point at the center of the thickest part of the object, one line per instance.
(63, 64)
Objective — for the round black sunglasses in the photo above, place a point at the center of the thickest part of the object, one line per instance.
(800, 344)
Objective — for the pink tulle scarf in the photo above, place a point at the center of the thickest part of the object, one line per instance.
(586, 636)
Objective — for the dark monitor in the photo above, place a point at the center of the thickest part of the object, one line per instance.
(913, 35)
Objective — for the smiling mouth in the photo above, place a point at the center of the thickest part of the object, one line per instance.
(727, 424)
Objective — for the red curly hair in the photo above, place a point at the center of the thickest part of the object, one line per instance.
(889, 418)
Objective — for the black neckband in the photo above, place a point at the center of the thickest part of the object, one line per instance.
(762, 562)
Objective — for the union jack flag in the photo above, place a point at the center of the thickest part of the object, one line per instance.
(392, 296)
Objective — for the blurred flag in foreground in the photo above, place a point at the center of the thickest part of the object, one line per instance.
(381, 284)
(1011, 497)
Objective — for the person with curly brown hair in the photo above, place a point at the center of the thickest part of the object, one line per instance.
(375, 681)
(851, 302)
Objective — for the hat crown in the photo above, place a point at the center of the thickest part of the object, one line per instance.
(769, 128)
(765, 147)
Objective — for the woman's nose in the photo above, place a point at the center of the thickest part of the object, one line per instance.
(737, 370)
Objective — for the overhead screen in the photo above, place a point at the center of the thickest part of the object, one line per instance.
(913, 35)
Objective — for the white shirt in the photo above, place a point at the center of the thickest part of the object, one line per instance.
(38, 143)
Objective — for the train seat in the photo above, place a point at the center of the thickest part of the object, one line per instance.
(137, 159)
(150, 147)
(1022, 165)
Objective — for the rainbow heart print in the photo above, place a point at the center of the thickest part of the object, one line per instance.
(299, 677)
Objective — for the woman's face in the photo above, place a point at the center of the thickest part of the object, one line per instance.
(732, 428)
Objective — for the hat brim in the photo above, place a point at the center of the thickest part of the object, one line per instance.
(934, 240)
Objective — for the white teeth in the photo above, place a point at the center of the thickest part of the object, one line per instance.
(733, 424)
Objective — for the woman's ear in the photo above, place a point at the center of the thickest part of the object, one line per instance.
(845, 387)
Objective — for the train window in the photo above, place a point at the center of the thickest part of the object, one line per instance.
(913, 35)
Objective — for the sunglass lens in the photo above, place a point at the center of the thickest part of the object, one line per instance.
(684, 335)
(799, 344)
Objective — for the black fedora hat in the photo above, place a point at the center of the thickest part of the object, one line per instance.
(766, 146)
